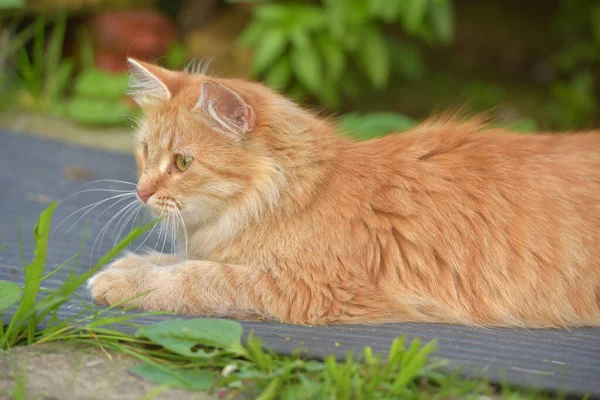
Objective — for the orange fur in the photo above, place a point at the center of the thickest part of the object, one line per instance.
(288, 220)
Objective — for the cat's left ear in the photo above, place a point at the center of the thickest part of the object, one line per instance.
(228, 110)
(147, 82)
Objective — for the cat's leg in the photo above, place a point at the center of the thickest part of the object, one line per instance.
(205, 288)
(152, 257)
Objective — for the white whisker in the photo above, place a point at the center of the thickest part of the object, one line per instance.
(102, 232)
(106, 180)
(96, 190)
(185, 237)
(149, 234)
(165, 237)
(91, 207)
(128, 217)
(107, 209)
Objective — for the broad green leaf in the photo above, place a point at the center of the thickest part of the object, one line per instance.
(184, 379)
(268, 50)
(523, 125)
(328, 94)
(415, 14)
(10, 294)
(441, 13)
(11, 3)
(374, 55)
(306, 65)
(280, 74)
(90, 111)
(175, 58)
(95, 83)
(252, 34)
(333, 56)
(595, 17)
(183, 336)
(387, 10)
(407, 60)
(306, 18)
(271, 12)
(367, 126)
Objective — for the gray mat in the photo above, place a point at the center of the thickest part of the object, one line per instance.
(34, 172)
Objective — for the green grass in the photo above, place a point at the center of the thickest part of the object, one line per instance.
(209, 354)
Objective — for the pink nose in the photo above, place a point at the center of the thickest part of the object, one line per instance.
(144, 194)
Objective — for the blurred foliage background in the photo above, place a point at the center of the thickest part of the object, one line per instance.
(380, 64)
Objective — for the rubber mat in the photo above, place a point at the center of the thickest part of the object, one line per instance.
(34, 172)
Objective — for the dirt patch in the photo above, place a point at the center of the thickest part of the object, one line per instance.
(68, 371)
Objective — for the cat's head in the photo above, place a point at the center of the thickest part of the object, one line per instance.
(205, 144)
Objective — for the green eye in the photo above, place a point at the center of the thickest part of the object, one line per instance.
(183, 162)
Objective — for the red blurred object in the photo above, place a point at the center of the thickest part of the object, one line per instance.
(143, 34)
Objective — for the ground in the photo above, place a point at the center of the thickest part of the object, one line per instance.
(69, 371)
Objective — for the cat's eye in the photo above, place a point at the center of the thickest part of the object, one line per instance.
(145, 151)
(183, 162)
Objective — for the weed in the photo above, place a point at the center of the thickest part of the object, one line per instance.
(209, 354)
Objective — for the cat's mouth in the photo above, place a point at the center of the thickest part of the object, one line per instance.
(163, 206)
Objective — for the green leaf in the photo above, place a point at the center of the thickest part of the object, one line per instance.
(271, 391)
(523, 125)
(184, 379)
(89, 111)
(441, 13)
(306, 65)
(414, 360)
(58, 84)
(252, 34)
(407, 60)
(387, 10)
(270, 48)
(96, 83)
(333, 56)
(54, 50)
(33, 272)
(10, 294)
(374, 55)
(367, 126)
(280, 74)
(415, 13)
(595, 17)
(183, 336)
(175, 58)
(271, 12)
(11, 3)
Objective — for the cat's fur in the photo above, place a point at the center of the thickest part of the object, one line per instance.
(288, 220)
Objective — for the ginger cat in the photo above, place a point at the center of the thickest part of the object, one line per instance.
(287, 220)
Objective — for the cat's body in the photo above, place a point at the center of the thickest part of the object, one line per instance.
(290, 221)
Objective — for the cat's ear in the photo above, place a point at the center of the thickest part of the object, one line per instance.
(147, 82)
(228, 110)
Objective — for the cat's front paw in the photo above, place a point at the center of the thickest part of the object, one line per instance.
(119, 281)
(114, 285)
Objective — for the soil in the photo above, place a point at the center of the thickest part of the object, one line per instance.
(68, 371)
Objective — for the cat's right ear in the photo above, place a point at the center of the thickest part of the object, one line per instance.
(226, 108)
(147, 82)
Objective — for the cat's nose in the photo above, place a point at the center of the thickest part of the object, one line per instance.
(144, 194)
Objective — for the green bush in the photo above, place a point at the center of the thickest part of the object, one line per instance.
(574, 100)
(327, 49)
